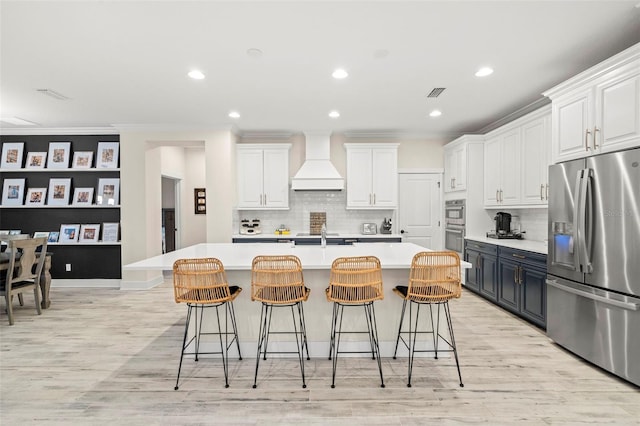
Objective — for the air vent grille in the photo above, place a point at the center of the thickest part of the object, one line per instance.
(436, 92)
(53, 94)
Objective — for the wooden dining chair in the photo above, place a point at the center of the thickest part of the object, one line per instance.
(202, 284)
(26, 260)
(434, 279)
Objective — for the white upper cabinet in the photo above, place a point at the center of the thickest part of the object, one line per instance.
(516, 159)
(457, 162)
(372, 176)
(263, 176)
(598, 110)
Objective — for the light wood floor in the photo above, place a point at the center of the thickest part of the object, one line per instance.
(109, 357)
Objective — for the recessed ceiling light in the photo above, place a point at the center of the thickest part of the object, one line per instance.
(234, 114)
(196, 75)
(340, 74)
(484, 71)
(254, 52)
(334, 114)
(435, 113)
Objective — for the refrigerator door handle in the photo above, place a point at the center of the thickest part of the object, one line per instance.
(605, 300)
(588, 213)
(575, 233)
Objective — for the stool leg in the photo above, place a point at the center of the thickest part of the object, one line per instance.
(453, 340)
(184, 341)
(367, 315)
(264, 316)
(334, 319)
(266, 344)
(232, 314)
(337, 329)
(299, 340)
(435, 327)
(412, 339)
(404, 305)
(224, 344)
(374, 334)
(303, 326)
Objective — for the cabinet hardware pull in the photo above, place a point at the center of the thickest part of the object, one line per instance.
(595, 145)
(541, 191)
(519, 256)
(501, 198)
(369, 199)
(374, 199)
(547, 192)
(454, 183)
(586, 139)
(515, 275)
(520, 275)
(497, 196)
(265, 199)
(260, 199)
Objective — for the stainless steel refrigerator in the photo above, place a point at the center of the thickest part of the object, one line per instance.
(593, 264)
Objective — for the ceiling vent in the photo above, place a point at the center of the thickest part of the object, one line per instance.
(435, 92)
(53, 94)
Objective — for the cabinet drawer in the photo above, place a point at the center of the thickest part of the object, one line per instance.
(482, 247)
(536, 260)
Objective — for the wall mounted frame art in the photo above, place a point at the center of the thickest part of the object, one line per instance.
(12, 155)
(59, 190)
(36, 197)
(107, 157)
(108, 192)
(59, 153)
(36, 160)
(13, 192)
(82, 160)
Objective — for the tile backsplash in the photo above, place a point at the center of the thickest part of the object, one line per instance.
(302, 203)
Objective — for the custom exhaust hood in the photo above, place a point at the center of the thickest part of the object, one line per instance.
(317, 173)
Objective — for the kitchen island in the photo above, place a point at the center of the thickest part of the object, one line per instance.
(316, 262)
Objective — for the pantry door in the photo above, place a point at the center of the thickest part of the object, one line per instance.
(419, 210)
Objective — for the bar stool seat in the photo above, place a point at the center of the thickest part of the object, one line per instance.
(434, 279)
(354, 282)
(278, 282)
(202, 284)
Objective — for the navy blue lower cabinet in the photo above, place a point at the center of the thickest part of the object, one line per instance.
(482, 276)
(508, 287)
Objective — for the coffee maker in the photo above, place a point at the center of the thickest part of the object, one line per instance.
(503, 223)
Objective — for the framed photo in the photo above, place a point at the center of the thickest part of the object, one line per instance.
(110, 231)
(12, 155)
(89, 233)
(69, 233)
(59, 155)
(82, 160)
(82, 197)
(36, 160)
(59, 190)
(13, 192)
(53, 237)
(200, 200)
(108, 192)
(40, 234)
(107, 157)
(36, 197)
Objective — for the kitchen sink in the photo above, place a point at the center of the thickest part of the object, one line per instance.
(306, 234)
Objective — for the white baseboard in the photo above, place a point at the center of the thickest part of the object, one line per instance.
(94, 283)
(141, 285)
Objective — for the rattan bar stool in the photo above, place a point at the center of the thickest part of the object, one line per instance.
(354, 281)
(277, 282)
(434, 280)
(202, 284)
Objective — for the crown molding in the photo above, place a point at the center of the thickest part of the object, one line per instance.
(59, 131)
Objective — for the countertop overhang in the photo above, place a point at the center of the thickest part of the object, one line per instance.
(239, 256)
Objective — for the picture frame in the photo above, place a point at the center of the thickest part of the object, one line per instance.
(82, 197)
(40, 234)
(59, 153)
(12, 153)
(82, 160)
(110, 232)
(13, 192)
(89, 233)
(59, 190)
(107, 157)
(35, 197)
(36, 160)
(69, 233)
(108, 192)
(53, 237)
(200, 200)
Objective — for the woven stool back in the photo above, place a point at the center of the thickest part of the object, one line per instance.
(277, 280)
(355, 280)
(200, 281)
(434, 276)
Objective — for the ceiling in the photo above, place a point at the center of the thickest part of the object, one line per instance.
(125, 63)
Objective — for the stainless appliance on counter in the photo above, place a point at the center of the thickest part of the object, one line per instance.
(385, 228)
(593, 265)
(503, 228)
(454, 225)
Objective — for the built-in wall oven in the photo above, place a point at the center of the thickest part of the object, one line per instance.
(454, 224)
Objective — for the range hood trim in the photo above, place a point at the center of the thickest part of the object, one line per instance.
(317, 173)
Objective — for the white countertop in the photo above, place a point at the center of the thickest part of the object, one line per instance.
(240, 256)
(270, 235)
(528, 245)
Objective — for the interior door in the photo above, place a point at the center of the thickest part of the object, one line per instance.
(420, 209)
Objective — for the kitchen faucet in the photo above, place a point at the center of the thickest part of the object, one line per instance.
(323, 235)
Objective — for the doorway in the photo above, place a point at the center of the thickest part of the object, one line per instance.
(419, 210)
(170, 214)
